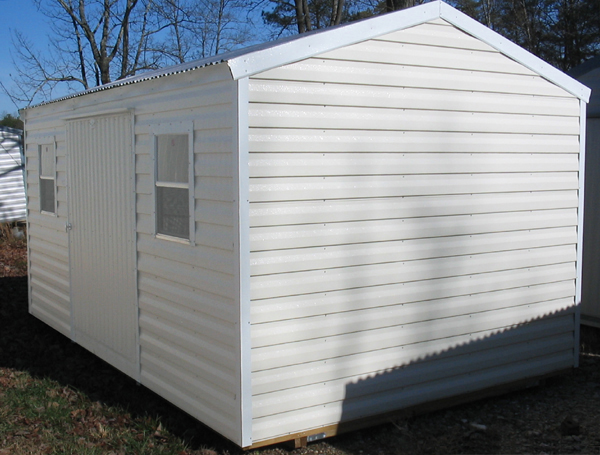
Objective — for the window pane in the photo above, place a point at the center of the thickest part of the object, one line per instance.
(47, 160)
(47, 195)
(173, 212)
(172, 157)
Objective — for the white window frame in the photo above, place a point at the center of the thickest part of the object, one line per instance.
(40, 143)
(174, 128)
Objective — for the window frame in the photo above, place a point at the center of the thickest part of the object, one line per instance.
(175, 128)
(40, 144)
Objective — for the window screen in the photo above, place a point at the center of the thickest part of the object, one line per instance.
(172, 185)
(47, 178)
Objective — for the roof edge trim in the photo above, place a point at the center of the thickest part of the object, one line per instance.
(289, 52)
(514, 51)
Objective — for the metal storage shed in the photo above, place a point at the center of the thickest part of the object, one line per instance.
(589, 74)
(12, 187)
(299, 237)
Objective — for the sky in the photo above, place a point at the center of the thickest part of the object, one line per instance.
(21, 15)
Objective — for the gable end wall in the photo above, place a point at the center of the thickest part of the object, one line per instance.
(413, 221)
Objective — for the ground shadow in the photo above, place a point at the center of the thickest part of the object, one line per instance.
(506, 360)
(28, 344)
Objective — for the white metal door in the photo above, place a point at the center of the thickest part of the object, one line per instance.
(102, 238)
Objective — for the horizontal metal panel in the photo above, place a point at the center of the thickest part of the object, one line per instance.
(173, 358)
(269, 286)
(208, 117)
(433, 56)
(319, 93)
(476, 325)
(416, 374)
(324, 211)
(200, 256)
(53, 280)
(376, 73)
(188, 275)
(307, 188)
(52, 294)
(332, 413)
(312, 235)
(283, 140)
(42, 310)
(213, 164)
(201, 300)
(49, 263)
(293, 330)
(338, 164)
(209, 395)
(298, 375)
(300, 306)
(215, 212)
(211, 416)
(440, 34)
(215, 188)
(319, 258)
(189, 318)
(334, 117)
(152, 328)
(42, 225)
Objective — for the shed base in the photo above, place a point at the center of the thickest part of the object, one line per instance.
(301, 439)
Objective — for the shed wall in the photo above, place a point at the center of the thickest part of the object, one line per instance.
(12, 187)
(188, 307)
(413, 213)
(590, 298)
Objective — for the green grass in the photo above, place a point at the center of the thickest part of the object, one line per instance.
(39, 416)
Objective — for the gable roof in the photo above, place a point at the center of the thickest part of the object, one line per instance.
(256, 59)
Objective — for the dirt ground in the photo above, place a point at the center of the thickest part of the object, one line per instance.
(561, 416)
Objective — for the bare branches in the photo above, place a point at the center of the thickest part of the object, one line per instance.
(97, 41)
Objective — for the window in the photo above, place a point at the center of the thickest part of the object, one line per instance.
(47, 178)
(173, 185)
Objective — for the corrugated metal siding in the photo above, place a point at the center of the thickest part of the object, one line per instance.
(188, 309)
(413, 221)
(49, 275)
(590, 298)
(102, 239)
(189, 314)
(12, 187)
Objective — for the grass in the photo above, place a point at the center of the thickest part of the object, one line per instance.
(41, 416)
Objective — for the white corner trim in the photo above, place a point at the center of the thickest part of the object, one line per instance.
(324, 41)
(243, 257)
(513, 51)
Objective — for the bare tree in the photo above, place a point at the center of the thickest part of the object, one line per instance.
(95, 42)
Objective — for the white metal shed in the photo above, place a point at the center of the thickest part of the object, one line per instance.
(12, 186)
(291, 240)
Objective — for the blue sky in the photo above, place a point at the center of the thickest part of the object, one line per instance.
(19, 15)
(22, 15)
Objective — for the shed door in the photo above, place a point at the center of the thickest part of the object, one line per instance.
(102, 238)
